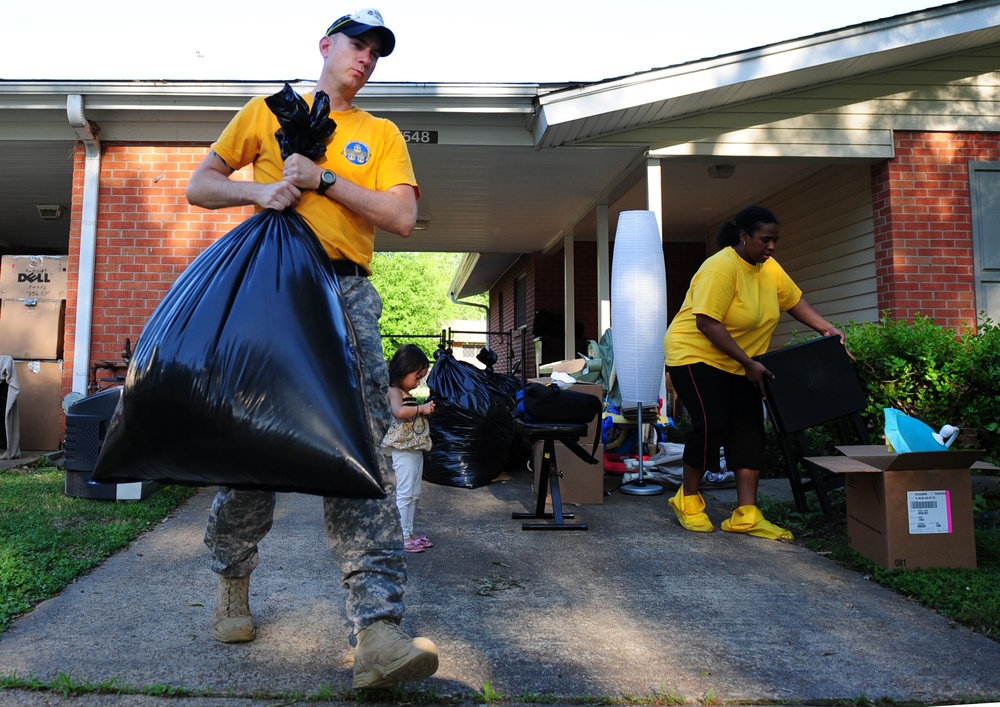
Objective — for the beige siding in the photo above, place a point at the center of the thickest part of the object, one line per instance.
(857, 130)
(827, 245)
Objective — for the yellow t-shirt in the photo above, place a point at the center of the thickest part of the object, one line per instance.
(369, 151)
(747, 299)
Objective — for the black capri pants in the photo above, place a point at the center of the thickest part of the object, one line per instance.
(726, 411)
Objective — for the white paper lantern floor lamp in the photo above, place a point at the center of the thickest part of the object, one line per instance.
(639, 322)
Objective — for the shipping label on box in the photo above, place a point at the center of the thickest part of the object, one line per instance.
(930, 512)
(33, 276)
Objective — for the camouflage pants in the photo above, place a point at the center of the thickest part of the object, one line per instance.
(364, 535)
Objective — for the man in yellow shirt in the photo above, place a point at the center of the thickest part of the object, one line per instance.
(363, 181)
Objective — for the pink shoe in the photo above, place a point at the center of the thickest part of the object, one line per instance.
(424, 541)
(413, 546)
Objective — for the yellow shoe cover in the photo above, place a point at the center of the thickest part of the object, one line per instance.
(749, 520)
(690, 512)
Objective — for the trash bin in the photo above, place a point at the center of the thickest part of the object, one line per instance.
(87, 422)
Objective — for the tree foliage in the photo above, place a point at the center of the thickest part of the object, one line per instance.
(415, 302)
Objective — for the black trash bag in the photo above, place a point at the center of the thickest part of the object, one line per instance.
(487, 357)
(247, 375)
(472, 426)
(508, 385)
(550, 403)
(519, 452)
(302, 131)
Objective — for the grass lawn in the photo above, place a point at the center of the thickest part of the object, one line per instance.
(48, 539)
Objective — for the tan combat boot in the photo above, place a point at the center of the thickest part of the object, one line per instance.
(231, 620)
(386, 656)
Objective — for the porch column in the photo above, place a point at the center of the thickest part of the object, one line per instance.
(654, 192)
(654, 199)
(569, 300)
(603, 272)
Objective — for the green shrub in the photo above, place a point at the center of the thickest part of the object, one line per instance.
(931, 373)
(981, 406)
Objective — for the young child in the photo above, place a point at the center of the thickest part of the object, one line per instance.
(408, 436)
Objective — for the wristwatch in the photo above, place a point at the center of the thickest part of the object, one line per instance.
(326, 180)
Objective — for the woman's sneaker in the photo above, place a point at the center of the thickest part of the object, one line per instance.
(690, 512)
(749, 520)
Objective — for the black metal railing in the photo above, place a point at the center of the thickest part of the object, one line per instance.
(469, 345)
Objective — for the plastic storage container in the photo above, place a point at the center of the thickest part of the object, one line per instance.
(87, 423)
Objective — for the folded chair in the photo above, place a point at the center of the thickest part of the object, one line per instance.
(548, 433)
(814, 384)
(548, 415)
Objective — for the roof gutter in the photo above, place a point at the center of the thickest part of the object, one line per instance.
(461, 275)
(451, 296)
(88, 134)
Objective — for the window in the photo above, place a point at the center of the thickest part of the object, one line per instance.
(984, 187)
(520, 302)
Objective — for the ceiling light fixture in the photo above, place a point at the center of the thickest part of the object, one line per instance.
(721, 171)
(49, 212)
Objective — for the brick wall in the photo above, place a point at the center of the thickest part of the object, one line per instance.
(923, 226)
(146, 235)
(524, 266)
(549, 285)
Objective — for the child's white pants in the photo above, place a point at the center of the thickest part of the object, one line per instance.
(408, 465)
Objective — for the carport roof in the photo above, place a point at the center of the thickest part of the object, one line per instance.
(517, 167)
(609, 110)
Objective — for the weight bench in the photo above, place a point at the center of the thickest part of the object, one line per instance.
(548, 433)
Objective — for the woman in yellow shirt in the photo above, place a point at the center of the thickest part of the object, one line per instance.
(729, 314)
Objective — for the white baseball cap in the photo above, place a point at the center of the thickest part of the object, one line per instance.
(366, 20)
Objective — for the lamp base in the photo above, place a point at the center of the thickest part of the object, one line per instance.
(644, 488)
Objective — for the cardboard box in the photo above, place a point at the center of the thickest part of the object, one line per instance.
(33, 276)
(911, 510)
(32, 329)
(580, 482)
(574, 365)
(593, 389)
(39, 405)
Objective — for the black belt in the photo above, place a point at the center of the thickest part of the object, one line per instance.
(347, 268)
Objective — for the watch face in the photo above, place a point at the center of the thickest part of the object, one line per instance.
(326, 180)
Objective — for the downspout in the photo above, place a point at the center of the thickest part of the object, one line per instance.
(451, 296)
(88, 133)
